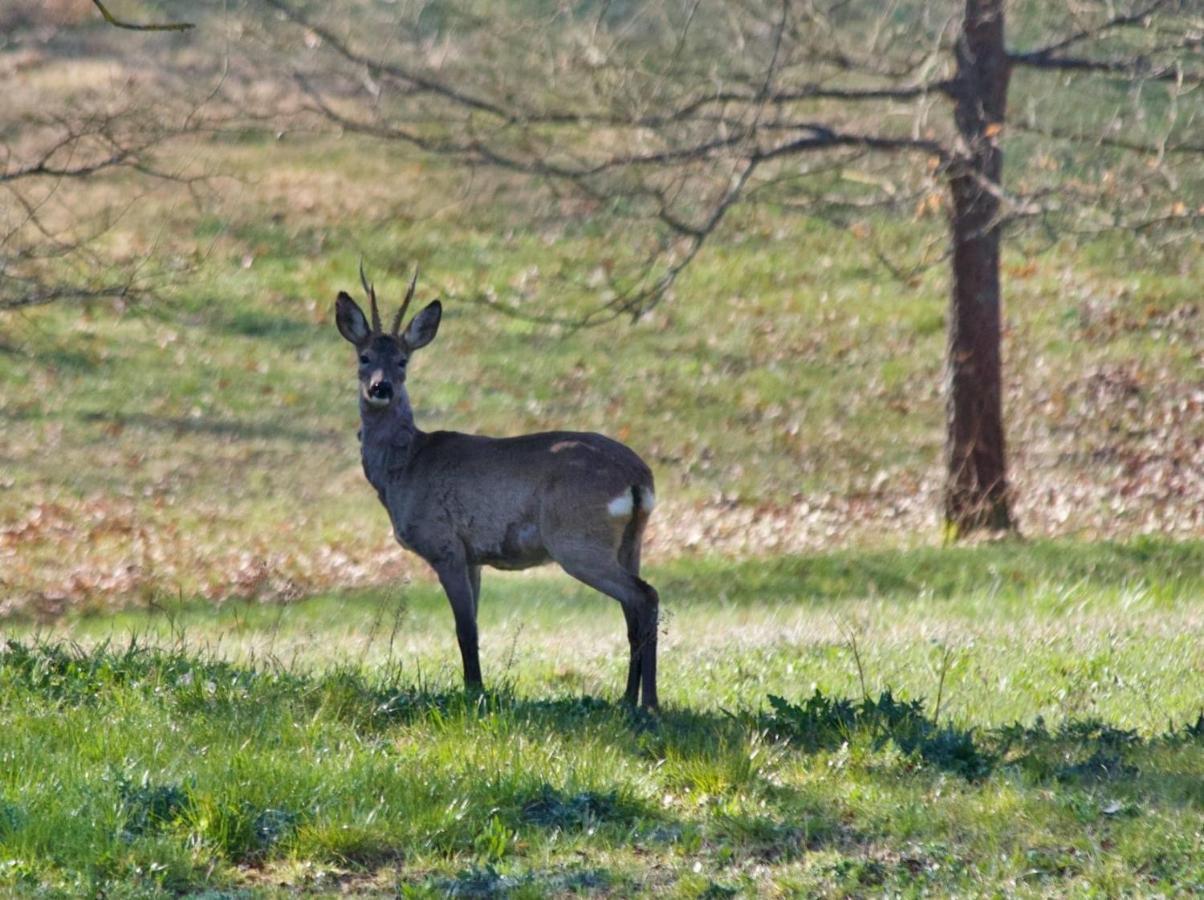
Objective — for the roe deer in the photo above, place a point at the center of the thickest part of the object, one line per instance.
(462, 501)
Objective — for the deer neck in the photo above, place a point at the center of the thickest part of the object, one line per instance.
(388, 438)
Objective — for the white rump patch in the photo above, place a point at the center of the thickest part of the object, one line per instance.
(647, 500)
(620, 506)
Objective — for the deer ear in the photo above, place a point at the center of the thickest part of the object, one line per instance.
(424, 326)
(350, 319)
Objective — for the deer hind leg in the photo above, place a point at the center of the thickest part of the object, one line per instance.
(629, 559)
(650, 626)
(632, 694)
(641, 647)
(630, 544)
(603, 572)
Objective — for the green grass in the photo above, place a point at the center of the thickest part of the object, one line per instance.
(325, 745)
(224, 678)
(218, 424)
(788, 370)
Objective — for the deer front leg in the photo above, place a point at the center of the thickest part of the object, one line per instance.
(458, 584)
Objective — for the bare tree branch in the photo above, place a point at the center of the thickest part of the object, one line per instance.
(52, 234)
(1120, 20)
(683, 143)
(419, 81)
(132, 26)
(37, 296)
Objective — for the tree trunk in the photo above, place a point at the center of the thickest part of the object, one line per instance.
(976, 488)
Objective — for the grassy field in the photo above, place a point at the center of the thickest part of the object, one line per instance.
(788, 395)
(223, 678)
(788, 402)
(326, 746)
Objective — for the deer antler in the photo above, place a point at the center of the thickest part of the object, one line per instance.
(405, 304)
(371, 292)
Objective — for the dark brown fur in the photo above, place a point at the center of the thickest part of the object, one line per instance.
(463, 501)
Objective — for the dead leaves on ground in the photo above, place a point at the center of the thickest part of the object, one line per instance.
(1116, 452)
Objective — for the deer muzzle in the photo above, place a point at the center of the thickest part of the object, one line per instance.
(379, 392)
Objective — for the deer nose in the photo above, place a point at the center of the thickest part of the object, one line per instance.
(381, 390)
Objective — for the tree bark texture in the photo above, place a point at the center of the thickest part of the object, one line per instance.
(976, 488)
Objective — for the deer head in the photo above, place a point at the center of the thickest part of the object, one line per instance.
(383, 356)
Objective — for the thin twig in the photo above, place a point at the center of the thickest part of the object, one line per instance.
(134, 26)
(946, 661)
(851, 637)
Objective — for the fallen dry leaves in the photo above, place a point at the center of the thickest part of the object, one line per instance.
(1117, 452)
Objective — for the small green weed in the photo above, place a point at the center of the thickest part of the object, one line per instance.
(821, 722)
(551, 808)
(146, 807)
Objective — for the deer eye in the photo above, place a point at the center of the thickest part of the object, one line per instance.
(364, 358)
